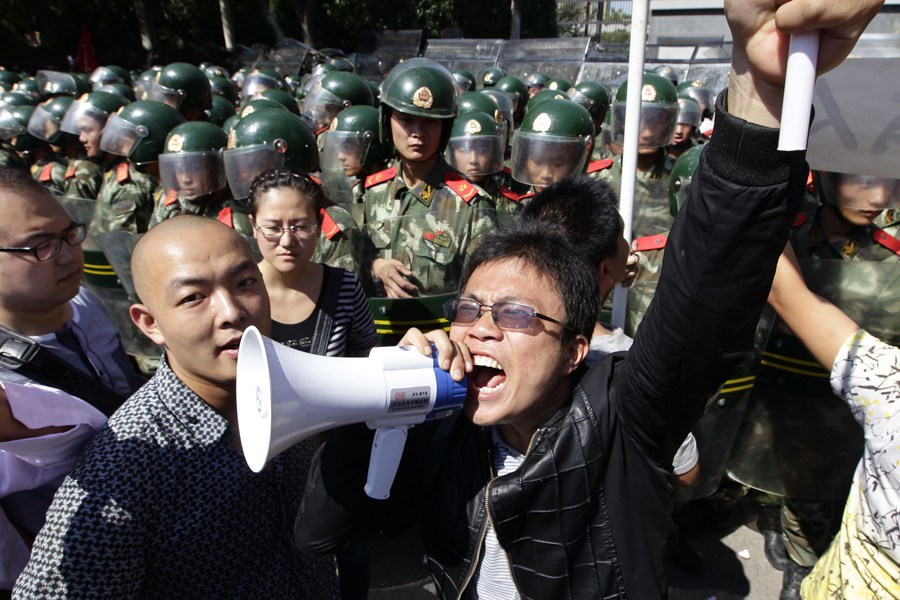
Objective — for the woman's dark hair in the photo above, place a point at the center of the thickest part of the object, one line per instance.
(287, 178)
(542, 247)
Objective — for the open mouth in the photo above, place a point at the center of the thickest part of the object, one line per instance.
(231, 346)
(487, 375)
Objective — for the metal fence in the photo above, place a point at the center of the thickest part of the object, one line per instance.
(606, 22)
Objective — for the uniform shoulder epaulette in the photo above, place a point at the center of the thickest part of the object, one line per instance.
(46, 173)
(464, 188)
(170, 198)
(800, 220)
(649, 242)
(506, 171)
(599, 165)
(885, 239)
(515, 197)
(122, 173)
(380, 177)
(321, 131)
(329, 227)
(316, 180)
(226, 216)
(73, 167)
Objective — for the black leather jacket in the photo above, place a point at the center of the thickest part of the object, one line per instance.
(587, 514)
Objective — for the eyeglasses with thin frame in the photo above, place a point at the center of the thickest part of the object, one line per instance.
(273, 233)
(506, 315)
(73, 235)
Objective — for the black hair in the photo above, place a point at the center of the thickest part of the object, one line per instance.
(545, 249)
(286, 178)
(586, 212)
(18, 180)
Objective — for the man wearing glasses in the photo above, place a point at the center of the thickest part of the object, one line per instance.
(552, 482)
(55, 338)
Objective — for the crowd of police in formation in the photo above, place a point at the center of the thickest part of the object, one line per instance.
(403, 206)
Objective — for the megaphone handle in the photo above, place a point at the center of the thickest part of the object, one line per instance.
(387, 449)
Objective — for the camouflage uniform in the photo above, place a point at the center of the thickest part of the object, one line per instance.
(651, 200)
(649, 251)
(51, 173)
(430, 228)
(809, 241)
(125, 201)
(83, 178)
(9, 157)
(509, 195)
(218, 205)
(340, 243)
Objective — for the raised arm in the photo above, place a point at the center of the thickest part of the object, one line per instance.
(819, 324)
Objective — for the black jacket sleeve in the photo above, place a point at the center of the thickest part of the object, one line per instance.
(719, 263)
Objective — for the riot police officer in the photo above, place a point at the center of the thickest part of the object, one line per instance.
(185, 88)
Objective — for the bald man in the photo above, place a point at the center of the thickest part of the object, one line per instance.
(162, 503)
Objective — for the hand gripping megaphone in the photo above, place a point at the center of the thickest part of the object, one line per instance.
(285, 396)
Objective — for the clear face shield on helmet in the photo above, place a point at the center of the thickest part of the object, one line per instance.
(507, 107)
(121, 137)
(160, 93)
(9, 126)
(55, 82)
(688, 113)
(189, 175)
(103, 75)
(541, 159)
(866, 195)
(657, 124)
(342, 159)
(320, 107)
(243, 165)
(82, 116)
(44, 125)
(256, 83)
(476, 156)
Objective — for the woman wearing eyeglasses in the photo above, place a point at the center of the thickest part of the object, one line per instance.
(315, 308)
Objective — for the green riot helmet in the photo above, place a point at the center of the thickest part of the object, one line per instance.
(109, 74)
(191, 164)
(87, 116)
(144, 82)
(516, 89)
(14, 127)
(338, 90)
(281, 97)
(259, 104)
(119, 89)
(375, 88)
(667, 72)
(30, 87)
(464, 79)
(5, 87)
(138, 131)
(340, 63)
(490, 76)
(543, 96)
(688, 112)
(507, 110)
(224, 87)
(258, 80)
(292, 82)
(476, 146)
(351, 148)
(267, 139)
(221, 110)
(659, 108)
(422, 88)
(594, 97)
(554, 141)
(476, 102)
(682, 174)
(857, 199)
(184, 87)
(702, 94)
(240, 76)
(214, 71)
(15, 98)
(57, 83)
(45, 121)
(559, 84)
(9, 77)
(230, 122)
(536, 82)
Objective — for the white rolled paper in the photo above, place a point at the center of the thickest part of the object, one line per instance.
(799, 85)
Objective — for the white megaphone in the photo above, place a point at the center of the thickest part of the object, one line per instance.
(285, 396)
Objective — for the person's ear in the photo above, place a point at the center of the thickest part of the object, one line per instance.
(576, 352)
(605, 279)
(146, 322)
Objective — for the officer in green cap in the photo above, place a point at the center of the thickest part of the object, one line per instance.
(595, 98)
(85, 118)
(465, 81)
(44, 124)
(185, 88)
(106, 74)
(518, 92)
(536, 82)
(45, 166)
(136, 133)
(192, 178)
(220, 111)
(352, 151)
(338, 90)
(559, 84)
(422, 216)
(224, 87)
(258, 80)
(507, 109)
(554, 141)
(659, 109)
(686, 124)
(490, 76)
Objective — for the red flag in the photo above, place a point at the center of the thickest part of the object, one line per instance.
(85, 58)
